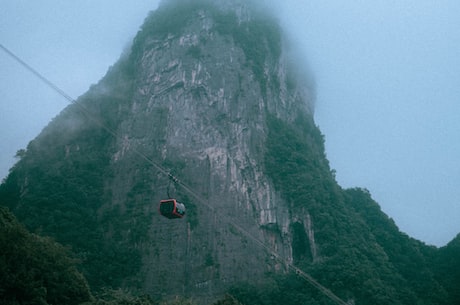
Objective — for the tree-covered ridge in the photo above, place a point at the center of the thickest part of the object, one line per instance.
(57, 188)
(411, 258)
(447, 269)
(36, 270)
(360, 250)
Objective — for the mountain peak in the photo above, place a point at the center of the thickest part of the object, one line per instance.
(209, 95)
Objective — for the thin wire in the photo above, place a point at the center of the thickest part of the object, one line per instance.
(83, 108)
(298, 271)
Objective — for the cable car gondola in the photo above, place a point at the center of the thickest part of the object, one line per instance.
(170, 208)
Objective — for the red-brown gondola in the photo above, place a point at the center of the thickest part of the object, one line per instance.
(171, 208)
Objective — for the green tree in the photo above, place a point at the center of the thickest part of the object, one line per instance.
(36, 270)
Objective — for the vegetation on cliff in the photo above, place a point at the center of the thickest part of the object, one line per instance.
(35, 269)
(360, 249)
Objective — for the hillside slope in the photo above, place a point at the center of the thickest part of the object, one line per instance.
(36, 270)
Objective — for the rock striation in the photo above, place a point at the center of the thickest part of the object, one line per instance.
(201, 98)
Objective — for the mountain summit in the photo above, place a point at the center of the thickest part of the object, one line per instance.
(208, 107)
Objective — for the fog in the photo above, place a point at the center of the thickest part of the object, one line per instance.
(387, 76)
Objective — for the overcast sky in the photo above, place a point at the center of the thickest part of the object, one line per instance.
(388, 88)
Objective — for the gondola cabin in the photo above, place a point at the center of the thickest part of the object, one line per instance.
(170, 208)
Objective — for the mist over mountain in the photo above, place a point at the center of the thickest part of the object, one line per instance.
(210, 107)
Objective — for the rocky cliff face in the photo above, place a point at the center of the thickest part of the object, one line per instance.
(209, 94)
(201, 98)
